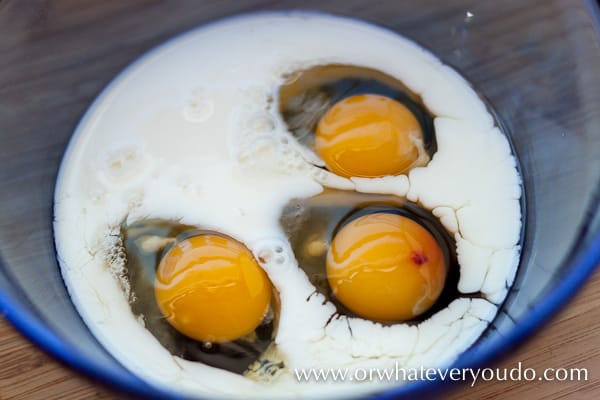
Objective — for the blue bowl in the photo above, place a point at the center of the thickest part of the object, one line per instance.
(536, 63)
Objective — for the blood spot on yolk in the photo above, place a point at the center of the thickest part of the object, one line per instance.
(210, 288)
(369, 136)
(386, 267)
(418, 257)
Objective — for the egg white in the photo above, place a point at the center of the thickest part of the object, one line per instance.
(190, 133)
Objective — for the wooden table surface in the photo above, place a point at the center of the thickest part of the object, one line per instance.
(571, 340)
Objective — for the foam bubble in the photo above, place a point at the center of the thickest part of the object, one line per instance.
(123, 164)
(198, 107)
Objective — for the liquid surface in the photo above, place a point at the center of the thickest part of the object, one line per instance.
(212, 149)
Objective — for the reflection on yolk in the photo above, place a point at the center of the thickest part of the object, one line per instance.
(210, 288)
(385, 267)
(369, 136)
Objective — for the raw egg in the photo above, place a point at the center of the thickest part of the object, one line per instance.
(210, 288)
(385, 267)
(369, 136)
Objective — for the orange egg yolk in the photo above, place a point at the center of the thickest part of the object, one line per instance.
(369, 136)
(386, 267)
(210, 288)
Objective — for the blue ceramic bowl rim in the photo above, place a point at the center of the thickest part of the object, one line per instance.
(31, 326)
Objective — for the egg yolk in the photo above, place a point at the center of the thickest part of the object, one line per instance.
(385, 267)
(369, 136)
(210, 288)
